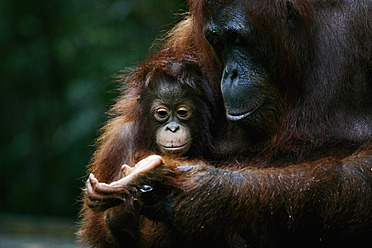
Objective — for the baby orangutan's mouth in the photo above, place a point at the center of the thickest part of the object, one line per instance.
(175, 148)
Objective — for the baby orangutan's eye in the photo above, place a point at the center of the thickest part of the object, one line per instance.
(161, 113)
(183, 112)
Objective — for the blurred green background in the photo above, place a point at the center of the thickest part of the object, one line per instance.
(57, 61)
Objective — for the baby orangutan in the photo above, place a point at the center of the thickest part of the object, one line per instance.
(176, 119)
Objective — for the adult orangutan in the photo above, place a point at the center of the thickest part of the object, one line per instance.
(295, 153)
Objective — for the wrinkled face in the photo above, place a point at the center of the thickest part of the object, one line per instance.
(172, 118)
(245, 55)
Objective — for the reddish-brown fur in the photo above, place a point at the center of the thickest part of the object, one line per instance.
(310, 181)
(114, 149)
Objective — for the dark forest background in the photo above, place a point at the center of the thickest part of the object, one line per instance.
(57, 59)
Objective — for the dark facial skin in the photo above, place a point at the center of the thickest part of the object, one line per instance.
(245, 86)
(172, 118)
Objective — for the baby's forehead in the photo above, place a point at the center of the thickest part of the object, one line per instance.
(170, 89)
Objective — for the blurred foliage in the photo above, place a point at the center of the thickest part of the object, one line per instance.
(57, 59)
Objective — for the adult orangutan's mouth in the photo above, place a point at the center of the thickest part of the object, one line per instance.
(237, 117)
(240, 116)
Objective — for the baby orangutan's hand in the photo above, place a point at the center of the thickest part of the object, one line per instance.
(102, 196)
